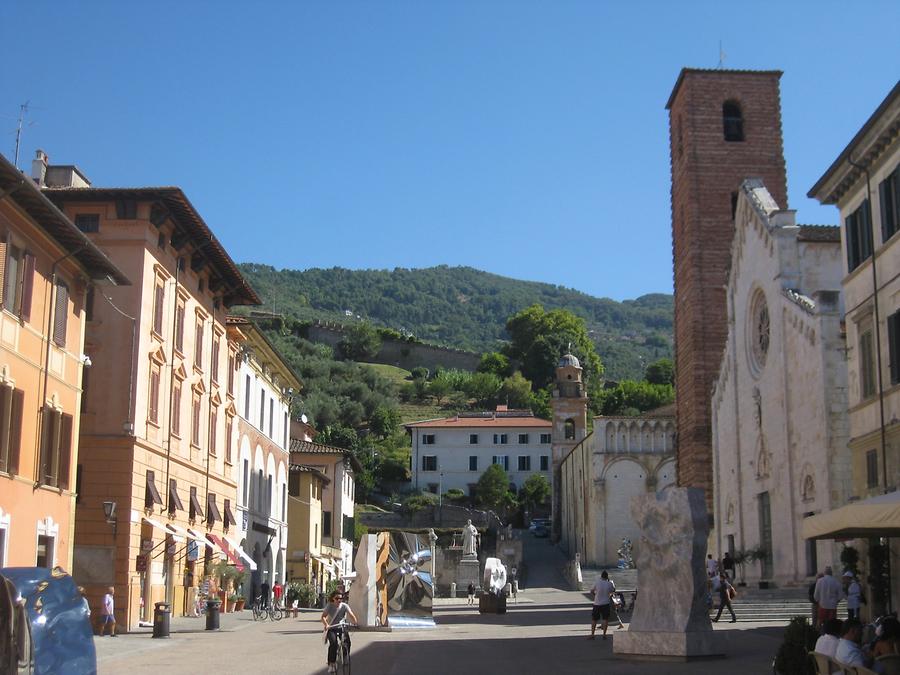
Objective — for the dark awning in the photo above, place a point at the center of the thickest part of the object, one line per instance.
(151, 494)
(195, 505)
(212, 511)
(174, 499)
(229, 515)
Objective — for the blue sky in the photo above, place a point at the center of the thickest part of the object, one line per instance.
(527, 139)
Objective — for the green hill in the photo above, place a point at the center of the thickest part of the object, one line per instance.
(466, 308)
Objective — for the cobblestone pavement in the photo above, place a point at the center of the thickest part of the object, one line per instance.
(544, 633)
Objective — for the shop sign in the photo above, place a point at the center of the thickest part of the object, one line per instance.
(193, 551)
(146, 545)
(141, 563)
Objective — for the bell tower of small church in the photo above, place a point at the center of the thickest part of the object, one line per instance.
(569, 405)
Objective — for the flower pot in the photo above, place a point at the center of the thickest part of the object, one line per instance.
(239, 605)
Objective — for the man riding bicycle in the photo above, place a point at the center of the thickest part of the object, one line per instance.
(333, 618)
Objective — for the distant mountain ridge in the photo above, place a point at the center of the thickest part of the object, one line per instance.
(466, 308)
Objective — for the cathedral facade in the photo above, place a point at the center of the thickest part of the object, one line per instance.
(779, 429)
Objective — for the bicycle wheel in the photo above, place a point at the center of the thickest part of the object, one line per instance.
(276, 613)
(257, 613)
(342, 659)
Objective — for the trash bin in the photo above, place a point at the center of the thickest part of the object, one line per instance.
(161, 615)
(212, 614)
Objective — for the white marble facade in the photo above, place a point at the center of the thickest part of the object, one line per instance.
(779, 403)
(624, 457)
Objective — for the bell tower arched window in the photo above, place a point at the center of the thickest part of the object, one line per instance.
(732, 121)
(570, 429)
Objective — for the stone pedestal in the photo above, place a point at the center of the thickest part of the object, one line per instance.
(670, 619)
(467, 572)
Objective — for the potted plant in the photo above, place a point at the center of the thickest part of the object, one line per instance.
(233, 600)
(792, 657)
(741, 558)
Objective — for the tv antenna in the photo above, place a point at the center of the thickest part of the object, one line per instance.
(722, 56)
(23, 111)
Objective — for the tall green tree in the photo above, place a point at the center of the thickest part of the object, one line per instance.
(483, 387)
(630, 396)
(661, 372)
(494, 362)
(516, 391)
(535, 491)
(493, 487)
(361, 342)
(538, 338)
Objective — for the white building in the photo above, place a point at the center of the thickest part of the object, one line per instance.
(864, 183)
(779, 403)
(622, 458)
(338, 496)
(454, 452)
(267, 385)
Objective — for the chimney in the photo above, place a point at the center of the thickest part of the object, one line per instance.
(39, 167)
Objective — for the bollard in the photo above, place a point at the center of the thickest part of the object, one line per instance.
(161, 620)
(452, 589)
(212, 615)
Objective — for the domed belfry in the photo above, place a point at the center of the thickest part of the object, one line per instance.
(569, 405)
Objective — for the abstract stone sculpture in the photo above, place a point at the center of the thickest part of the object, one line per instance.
(670, 619)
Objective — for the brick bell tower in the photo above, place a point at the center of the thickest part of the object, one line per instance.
(724, 126)
(569, 404)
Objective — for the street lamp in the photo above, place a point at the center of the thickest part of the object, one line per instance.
(109, 510)
(441, 489)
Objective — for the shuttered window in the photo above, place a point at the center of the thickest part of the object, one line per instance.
(179, 326)
(61, 314)
(195, 420)
(889, 194)
(214, 365)
(11, 404)
(153, 404)
(198, 345)
(176, 409)
(858, 235)
(159, 299)
(228, 422)
(893, 325)
(213, 423)
(56, 448)
(18, 281)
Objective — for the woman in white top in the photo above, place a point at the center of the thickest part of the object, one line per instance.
(828, 642)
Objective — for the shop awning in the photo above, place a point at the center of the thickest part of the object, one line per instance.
(227, 550)
(172, 527)
(159, 526)
(200, 537)
(251, 563)
(875, 517)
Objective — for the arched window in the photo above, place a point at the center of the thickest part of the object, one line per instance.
(733, 121)
(570, 429)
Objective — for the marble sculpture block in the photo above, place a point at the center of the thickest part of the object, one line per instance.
(670, 618)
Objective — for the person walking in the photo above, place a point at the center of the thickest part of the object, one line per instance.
(108, 613)
(712, 567)
(827, 594)
(470, 592)
(814, 602)
(854, 595)
(726, 595)
(602, 592)
(277, 592)
(728, 565)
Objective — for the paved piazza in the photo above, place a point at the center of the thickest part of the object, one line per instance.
(546, 632)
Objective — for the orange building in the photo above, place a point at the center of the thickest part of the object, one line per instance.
(158, 490)
(47, 268)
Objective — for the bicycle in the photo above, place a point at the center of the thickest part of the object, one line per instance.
(342, 657)
(262, 611)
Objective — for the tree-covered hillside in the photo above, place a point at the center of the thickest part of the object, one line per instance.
(466, 308)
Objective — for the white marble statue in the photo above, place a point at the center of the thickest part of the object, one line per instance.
(470, 540)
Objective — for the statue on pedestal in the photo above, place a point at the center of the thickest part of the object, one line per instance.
(470, 540)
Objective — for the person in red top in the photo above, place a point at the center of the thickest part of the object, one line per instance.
(277, 591)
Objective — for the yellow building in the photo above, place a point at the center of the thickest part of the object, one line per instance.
(305, 558)
(158, 489)
(47, 268)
